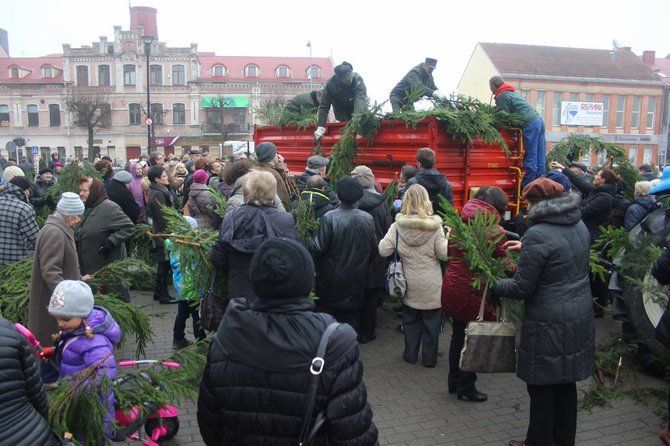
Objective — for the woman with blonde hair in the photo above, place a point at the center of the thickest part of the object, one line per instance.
(641, 206)
(421, 243)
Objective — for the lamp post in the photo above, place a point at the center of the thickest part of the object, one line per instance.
(147, 40)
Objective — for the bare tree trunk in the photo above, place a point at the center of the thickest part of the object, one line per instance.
(91, 151)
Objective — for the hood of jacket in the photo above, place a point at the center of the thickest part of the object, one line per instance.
(249, 226)
(14, 191)
(197, 188)
(562, 210)
(415, 231)
(646, 201)
(316, 197)
(370, 200)
(475, 205)
(431, 179)
(102, 323)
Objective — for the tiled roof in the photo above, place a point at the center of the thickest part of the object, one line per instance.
(267, 66)
(31, 69)
(567, 62)
(662, 66)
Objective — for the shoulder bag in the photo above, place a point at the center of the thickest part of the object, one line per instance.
(212, 307)
(489, 347)
(396, 284)
(311, 427)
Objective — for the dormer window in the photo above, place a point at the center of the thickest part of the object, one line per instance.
(251, 71)
(48, 72)
(282, 71)
(14, 72)
(313, 72)
(219, 71)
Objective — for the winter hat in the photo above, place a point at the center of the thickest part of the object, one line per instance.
(432, 63)
(281, 268)
(542, 189)
(71, 298)
(265, 152)
(316, 161)
(70, 204)
(344, 71)
(58, 164)
(123, 176)
(561, 179)
(21, 182)
(364, 176)
(11, 172)
(349, 190)
(46, 170)
(200, 176)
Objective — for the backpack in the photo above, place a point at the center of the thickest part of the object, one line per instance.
(618, 210)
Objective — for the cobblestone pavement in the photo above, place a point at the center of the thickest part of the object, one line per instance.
(412, 406)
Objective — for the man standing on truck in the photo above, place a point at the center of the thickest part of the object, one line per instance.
(308, 102)
(535, 145)
(428, 176)
(419, 78)
(346, 92)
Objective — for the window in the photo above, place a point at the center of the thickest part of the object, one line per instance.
(556, 109)
(178, 75)
(574, 97)
(251, 71)
(48, 72)
(156, 75)
(219, 71)
(620, 110)
(134, 114)
(157, 113)
(33, 116)
(635, 112)
(539, 104)
(54, 115)
(590, 97)
(4, 115)
(104, 79)
(632, 155)
(651, 112)
(129, 75)
(524, 94)
(14, 72)
(282, 72)
(178, 114)
(82, 76)
(648, 152)
(106, 115)
(314, 72)
(606, 110)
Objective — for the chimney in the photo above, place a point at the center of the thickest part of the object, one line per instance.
(649, 58)
(143, 16)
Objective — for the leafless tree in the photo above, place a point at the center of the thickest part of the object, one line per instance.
(90, 109)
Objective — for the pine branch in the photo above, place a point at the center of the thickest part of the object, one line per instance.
(305, 222)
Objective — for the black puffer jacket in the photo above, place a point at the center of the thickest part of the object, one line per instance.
(436, 184)
(558, 333)
(596, 204)
(320, 201)
(254, 393)
(376, 205)
(121, 195)
(343, 250)
(23, 403)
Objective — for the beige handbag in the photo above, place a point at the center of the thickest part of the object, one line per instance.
(489, 347)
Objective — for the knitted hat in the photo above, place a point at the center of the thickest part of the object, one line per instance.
(265, 152)
(11, 172)
(20, 181)
(349, 190)
(58, 164)
(46, 170)
(281, 268)
(316, 161)
(542, 189)
(364, 176)
(200, 176)
(70, 204)
(71, 298)
(561, 179)
(123, 176)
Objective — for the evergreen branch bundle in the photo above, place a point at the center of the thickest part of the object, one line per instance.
(391, 192)
(142, 246)
(305, 222)
(15, 290)
(219, 200)
(127, 272)
(273, 112)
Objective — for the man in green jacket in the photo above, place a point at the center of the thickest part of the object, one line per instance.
(346, 92)
(419, 78)
(534, 142)
(308, 101)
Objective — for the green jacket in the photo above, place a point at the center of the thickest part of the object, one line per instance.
(416, 78)
(512, 102)
(303, 101)
(345, 99)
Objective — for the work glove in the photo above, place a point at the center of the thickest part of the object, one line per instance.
(437, 94)
(319, 133)
(45, 354)
(105, 248)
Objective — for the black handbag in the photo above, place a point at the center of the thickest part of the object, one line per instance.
(212, 307)
(489, 347)
(311, 427)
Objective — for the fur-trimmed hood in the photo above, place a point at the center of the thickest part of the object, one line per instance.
(416, 231)
(562, 210)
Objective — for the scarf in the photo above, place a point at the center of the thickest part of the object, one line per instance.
(96, 195)
(504, 87)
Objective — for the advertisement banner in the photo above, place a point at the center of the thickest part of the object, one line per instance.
(582, 113)
(164, 141)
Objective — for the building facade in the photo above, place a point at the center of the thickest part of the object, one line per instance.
(623, 98)
(197, 99)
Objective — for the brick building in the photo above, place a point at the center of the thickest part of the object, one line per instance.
(556, 80)
(197, 99)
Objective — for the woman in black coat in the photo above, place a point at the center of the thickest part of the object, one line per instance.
(23, 404)
(557, 346)
(254, 388)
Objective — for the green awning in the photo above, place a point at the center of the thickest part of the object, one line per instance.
(227, 102)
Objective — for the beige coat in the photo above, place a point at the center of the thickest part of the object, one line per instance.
(55, 260)
(422, 244)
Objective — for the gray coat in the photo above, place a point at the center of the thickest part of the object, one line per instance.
(55, 261)
(558, 332)
(104, 222)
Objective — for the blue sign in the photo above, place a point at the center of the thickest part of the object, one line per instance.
(36, 150)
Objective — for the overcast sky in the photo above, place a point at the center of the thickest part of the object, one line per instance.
(381, 39)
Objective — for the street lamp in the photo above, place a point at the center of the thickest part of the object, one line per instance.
(147, 51)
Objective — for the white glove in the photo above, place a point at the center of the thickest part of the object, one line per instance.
(319, 133)
(437, 94)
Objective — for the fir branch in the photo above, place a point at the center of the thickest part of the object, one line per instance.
(127, 272)
(132, 320)
(391, 192)
(15, 290)
(305, 222)
(219, 200)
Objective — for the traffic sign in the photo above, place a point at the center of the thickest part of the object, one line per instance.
(36, 150)
(148, 121)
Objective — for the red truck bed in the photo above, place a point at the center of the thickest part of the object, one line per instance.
(395, 145)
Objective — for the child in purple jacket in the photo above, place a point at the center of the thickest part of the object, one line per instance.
(87, 336)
